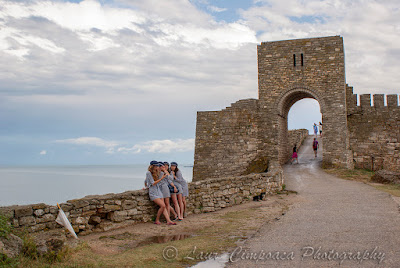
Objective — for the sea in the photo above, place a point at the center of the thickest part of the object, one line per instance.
(57, 184)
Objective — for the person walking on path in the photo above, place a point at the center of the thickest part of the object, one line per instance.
(315, 129)
(320, 128)
(294, 156)
(315, 146)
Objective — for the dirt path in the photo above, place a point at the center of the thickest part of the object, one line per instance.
(334, 219)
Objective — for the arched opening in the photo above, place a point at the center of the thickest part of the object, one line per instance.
(308, 109)
(303, 114)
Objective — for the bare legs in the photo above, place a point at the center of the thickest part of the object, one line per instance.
(177, 206)
(161, 210)
(168, 208)
(182, 207)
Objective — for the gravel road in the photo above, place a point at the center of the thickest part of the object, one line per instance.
(336, 223)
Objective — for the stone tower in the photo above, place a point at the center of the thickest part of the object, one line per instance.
(289, 71)
(252, 135)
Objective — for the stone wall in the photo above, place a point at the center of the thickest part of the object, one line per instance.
(104, 212)
(252, 135)
(374, 131)
(296, 137)
(291, 70)
(227, 142)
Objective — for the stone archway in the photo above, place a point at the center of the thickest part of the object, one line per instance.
(285, 102)
(294, 69)
(252, 134)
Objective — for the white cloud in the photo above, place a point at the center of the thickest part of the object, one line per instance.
(97, 42)
(82, 16)
(18, 42)
(43, 152)
(370, 29)
(96, 64)
(161, 146)
(216, 9)
(154, 146)
(93, 141)
(135, 50)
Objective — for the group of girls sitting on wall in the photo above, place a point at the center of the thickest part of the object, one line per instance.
(165, 182)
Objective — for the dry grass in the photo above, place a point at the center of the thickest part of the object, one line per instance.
(364, 176)
(393, 189)
(352, 174)
(222, 231)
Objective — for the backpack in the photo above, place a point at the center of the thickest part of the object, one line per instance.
(315, 144)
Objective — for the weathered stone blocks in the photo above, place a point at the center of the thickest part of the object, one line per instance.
(23, 211)
(252, 134)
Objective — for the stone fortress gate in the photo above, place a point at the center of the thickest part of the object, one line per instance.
(252, 135)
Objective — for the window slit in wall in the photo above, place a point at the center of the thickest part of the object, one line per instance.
(294, 60)
(302, 60)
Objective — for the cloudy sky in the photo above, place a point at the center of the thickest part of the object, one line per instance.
(119, 82)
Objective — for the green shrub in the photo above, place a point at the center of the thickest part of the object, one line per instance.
(4, 260)
(29, 247)
(52, 256)
(5, 226)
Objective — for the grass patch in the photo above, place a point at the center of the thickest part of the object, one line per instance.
(287, 192)
(364, 176)
(352, 174)
(209, 242)
(393, 189)
(5, 226)
(189, 252)
(30, 257)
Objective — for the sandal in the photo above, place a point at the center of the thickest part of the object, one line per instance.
(176, 218)
(157, 222)
(171, 223)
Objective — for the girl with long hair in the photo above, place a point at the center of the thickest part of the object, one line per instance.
(182, 182)
(176, 194)
(152, 182)
(165, 189)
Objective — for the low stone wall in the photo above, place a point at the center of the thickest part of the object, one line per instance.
(297, 137)
(104, 212)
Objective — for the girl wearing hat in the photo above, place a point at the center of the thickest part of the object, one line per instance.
(165, 189)
(175, 190)
(152, 183)
(182, 182)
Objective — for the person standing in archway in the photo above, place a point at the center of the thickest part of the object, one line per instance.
(294, 156)
(320, 129)
(315, 146)
(315, 129)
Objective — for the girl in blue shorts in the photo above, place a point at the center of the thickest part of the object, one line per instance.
(182, 182)
(152, 182)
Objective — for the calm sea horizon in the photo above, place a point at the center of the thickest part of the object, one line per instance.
(22, 185)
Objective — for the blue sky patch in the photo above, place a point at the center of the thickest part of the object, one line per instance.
(228, 9)
(308, 19)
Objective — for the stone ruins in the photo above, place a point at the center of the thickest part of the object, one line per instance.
(252, 135)
(239, 150)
